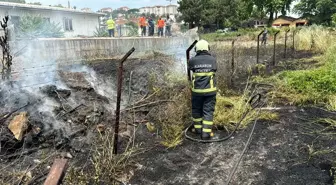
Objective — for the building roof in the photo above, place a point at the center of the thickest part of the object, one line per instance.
(40, 7)
(106, 9)
(287, 18)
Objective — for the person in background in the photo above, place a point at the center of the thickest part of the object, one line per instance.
(151, 25)
(169, 22)
(161, 24)
(110, 26)
(119, 30)
(142, 23)
(264, 37)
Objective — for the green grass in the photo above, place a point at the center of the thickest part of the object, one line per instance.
(310, 86)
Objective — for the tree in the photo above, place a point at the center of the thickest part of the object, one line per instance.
(133, 11)
(192, 11)
(221, 13)
(14, 1)
(270, 7)
(317, 11)
(333, 17)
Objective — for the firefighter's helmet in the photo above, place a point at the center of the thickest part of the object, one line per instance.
(202, 45)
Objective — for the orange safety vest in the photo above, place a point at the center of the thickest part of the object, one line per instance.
(142, 21)
(161, 23)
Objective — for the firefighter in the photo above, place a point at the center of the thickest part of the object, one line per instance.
(203, 67)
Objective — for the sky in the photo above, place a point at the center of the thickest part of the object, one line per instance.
(98, 4)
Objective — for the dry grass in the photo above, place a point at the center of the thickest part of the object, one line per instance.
(332, 103)
(104, 166)
(231, 109)
(172, 117)
(316, 38)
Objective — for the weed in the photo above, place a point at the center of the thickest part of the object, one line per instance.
(104, 166)
(231, 109)
(332, 103)
(317, 38)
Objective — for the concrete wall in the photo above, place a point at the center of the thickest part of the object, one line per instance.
(83, 24)
(91, 48)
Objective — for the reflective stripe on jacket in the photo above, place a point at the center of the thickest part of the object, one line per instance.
(110, 24)
(203, 66)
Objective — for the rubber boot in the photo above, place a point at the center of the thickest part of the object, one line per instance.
(207, 136)
(196, 131)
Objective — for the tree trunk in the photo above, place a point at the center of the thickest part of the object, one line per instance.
(271, 18)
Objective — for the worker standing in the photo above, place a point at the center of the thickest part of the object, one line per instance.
(110, 26)
(161, 24)
(142, 23)
(264, 37)
(151, 25)
(169, 22)
(203, 67)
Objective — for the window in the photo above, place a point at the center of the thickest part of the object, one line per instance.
(68, 24)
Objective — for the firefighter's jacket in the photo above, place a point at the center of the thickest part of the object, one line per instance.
(203, 67)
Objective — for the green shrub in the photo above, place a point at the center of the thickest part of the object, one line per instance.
(35, 26)
(101, 32)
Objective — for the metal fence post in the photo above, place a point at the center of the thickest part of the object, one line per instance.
(120, 80)
(294, 31)
(258, 46)
(233, 60)
(275, 35)
(286, 36)
(188, 57)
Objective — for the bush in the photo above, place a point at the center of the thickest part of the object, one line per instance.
(101, 32)
(31, 27)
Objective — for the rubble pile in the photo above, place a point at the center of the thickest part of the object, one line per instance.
(50, 119)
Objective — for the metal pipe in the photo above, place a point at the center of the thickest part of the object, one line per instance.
(275, 35)
(188, 57)
(286, 36)
(120, 76)
(258, 45)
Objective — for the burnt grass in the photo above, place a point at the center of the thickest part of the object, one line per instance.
(288, 151)
(278, 154)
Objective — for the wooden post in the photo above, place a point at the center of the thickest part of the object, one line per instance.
(275, 35)
(57, 172)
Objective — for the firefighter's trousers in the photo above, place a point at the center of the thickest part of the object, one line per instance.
(203, 108)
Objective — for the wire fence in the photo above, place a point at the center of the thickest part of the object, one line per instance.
(239, 58)
(29, 160)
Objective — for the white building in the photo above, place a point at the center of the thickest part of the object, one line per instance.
(74, 22)
(159, 10)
